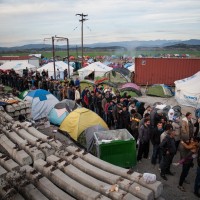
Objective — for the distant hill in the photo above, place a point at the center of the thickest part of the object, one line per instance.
(179, 46)
(111, 45)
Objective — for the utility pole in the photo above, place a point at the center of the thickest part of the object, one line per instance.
(82, 20)
(61, 39)
(53, 52)
(76, 52)
(53, 38)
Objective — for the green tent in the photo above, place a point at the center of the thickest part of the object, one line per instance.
(131, 93)
(160, 90)
(23, 94)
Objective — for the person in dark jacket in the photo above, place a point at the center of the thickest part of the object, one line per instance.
(197, 179)
(125, 115)
(168, 148)
(155, 140)
(141, 108)
(144, 138)
(187, 164)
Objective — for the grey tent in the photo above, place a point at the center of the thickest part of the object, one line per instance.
(86, 139)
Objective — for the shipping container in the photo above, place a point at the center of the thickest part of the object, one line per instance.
(150, 71)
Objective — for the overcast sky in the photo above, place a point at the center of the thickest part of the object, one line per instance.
(30, 21)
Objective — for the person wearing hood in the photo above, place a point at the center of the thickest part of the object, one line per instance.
(187, 125)
(157, 117)
(170, 114)
(147, 110)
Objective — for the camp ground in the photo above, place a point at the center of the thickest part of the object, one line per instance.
(79, 148)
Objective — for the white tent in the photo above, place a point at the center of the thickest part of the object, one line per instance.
(98, 68)
(187, 91)
(18, 66)
(131, 68)
(58, 65)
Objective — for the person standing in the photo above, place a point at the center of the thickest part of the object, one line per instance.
(167, 128)
(155, 140)
(177, 127)
(187, 125)
(144, 138)
(65, 74)
(77, 82)
(77, 95)
(58, 74)
(197, 179)
(125, 118)
(187, 164)
(168, 149)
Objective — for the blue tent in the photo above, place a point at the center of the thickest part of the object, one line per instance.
(61, 110)
(42, 102)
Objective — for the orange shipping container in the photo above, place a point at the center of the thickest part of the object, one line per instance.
(164, 70)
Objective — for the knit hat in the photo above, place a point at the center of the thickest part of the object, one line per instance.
(185, 137)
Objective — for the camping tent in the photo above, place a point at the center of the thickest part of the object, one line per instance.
(23, 94)
(79, 120)
(18, 66)
(98, 68)
(86, 138)
(187, 91)
(58, 65)
(61, 110)
(159, 90)
(119, 75)
(42, 102)
(131, 68)
(130, 87)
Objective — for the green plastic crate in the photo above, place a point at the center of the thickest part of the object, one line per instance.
(117, 147)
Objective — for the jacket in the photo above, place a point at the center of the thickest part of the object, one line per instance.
(144, 134)
(155, 136)
(185, 126)
(177, 128)
(168, 144)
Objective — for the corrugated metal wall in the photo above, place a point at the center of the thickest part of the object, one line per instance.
(164, 70)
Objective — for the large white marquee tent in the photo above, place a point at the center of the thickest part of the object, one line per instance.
(58, 65)
(98, 68)
(18, 66)
(187, 91)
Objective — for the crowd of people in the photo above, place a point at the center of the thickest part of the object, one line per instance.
(168, 133)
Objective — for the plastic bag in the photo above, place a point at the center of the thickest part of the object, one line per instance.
(149, 178)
